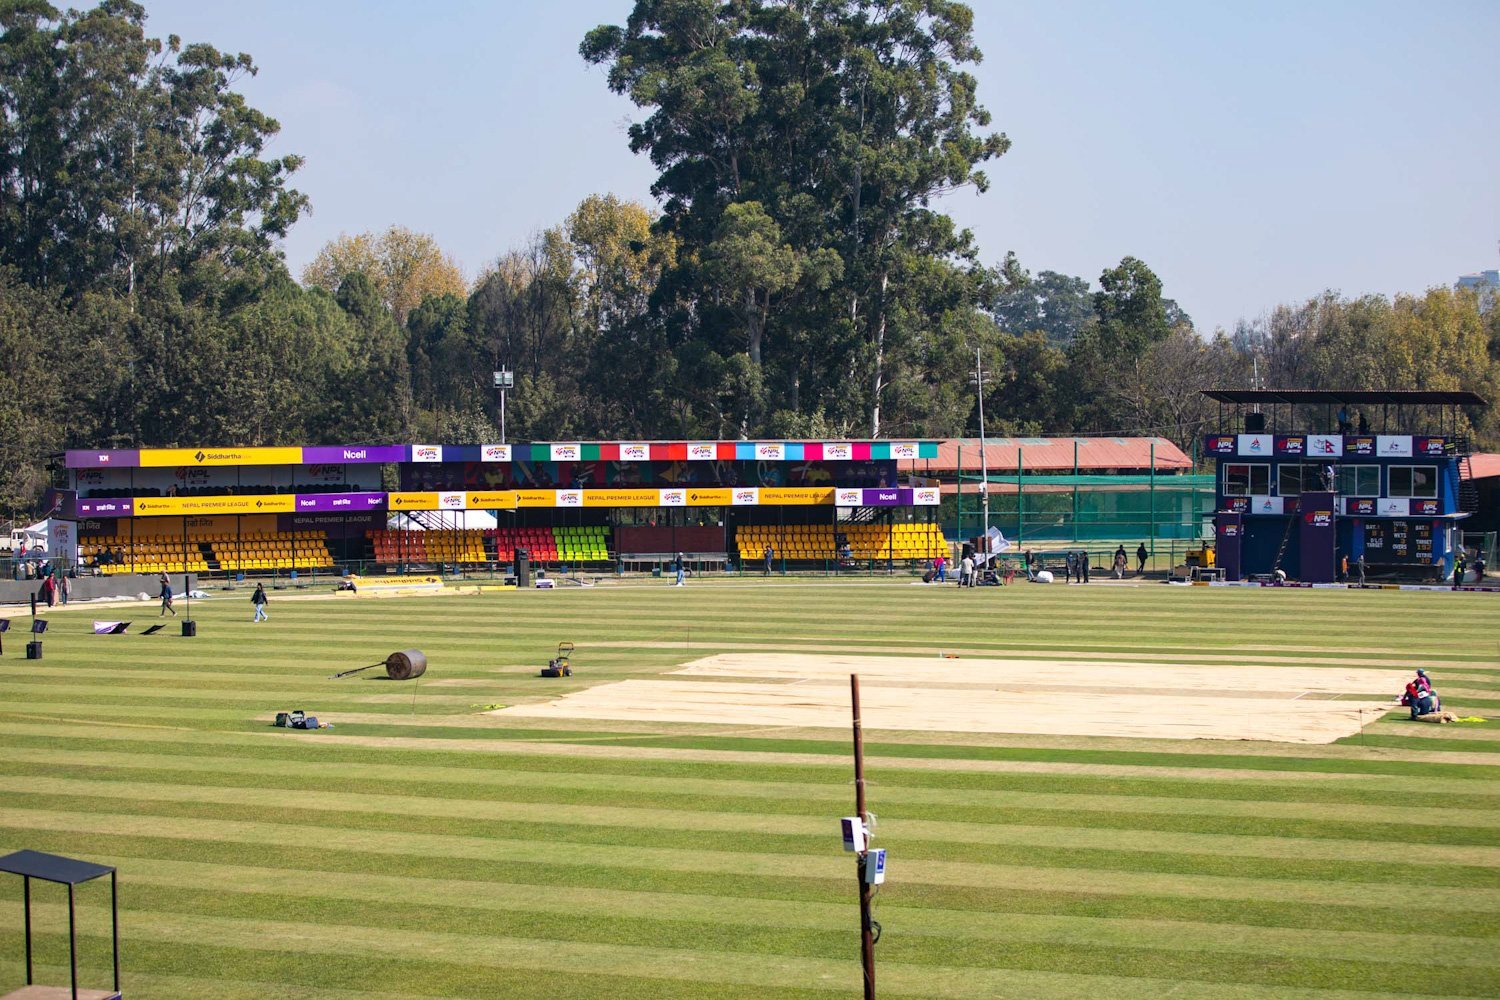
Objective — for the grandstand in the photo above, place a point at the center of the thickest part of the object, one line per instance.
(203, 551)
(479, 547)
(819, 541)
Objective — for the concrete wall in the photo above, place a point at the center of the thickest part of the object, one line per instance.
(88, 588)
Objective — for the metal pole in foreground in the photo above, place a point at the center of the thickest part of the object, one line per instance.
(866, 937)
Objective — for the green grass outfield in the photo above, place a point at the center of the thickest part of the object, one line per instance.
(422, 849)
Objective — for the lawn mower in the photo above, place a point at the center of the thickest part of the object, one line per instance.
(560, 665)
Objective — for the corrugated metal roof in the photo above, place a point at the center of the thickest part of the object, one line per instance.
(1053, 455)
(1484, 466)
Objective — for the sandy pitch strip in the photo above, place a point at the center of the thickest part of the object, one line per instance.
(1042, 697)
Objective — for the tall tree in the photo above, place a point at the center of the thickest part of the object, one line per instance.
(126, 161)
(405, 267)
(1057, 305)
(840, 120)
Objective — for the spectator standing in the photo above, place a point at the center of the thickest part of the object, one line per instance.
(770, 554)
(966, 572)
(1460, 567)
(1140, 558)
(1083, 565)
(940, 569)
(166, 596)
(681, 567)
(1070, 566)
(259, 600)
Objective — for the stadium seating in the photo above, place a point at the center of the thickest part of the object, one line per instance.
(474, 546)
(816, 541)
(251, 551)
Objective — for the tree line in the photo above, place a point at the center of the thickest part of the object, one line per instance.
(794, 277)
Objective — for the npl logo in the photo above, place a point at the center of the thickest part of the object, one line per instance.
(837, 452)
(767, 452)
(494, 453)
(635, 452)
(926, 496)
(702, 451)
(451, 501)
(674, 498)
(745, 497)
(570, 498)
(849, 498)
(426, 453)
(903, 449)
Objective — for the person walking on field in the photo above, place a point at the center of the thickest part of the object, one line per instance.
(1460, 568)
(770, 554)
(166, 596)
(679, 565)
(940, 569)
(966, 572)
(1140, 558)
(259, 600)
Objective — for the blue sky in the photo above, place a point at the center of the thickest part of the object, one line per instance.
(1251, 154)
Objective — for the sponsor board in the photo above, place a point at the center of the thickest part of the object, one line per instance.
(102, 458)
(769, 451)
(1431, 447)
(903, 449)
(494, 453)
(1393, 507)
(1359, 506)
(848, 497)
(333, 502)
(702, 451)
(672, 496)
(1362, 446)
(1393, 445)
(536, 498)
(246, 504)
(565, 452)
(156, 458)
(795, 495)
(106, 508)
(412, 501)
(1237, 505)
(619, 498)
(1325, 445)
(1220, 444)
(353, 454)
(1429, 507)
(569, 498)
(926, 496)
(1291, 444)
(709, 496)
(1319, 518)
(1255, 444)
(744, 496)
(1265, 505)
(635, 452)
(490, 499)
(838, 452)
(426, 453)
(450, 501)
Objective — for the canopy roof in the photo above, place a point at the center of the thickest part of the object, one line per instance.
(1364, 397)
(1034, 455)
(52, 867)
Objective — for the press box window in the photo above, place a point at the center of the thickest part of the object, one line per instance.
(1414, 481)
(1247, 480)
(1292, 480)
(1359, 480)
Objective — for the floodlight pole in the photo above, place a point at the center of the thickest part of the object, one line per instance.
(984, 467)
(504, 379)
(866, 936)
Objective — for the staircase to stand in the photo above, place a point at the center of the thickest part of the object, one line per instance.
(1286, 537)
(208, 555)
(1468, 493)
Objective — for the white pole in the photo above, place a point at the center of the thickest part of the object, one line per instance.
(984, 468)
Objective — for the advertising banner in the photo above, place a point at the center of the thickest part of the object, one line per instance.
(1319, 538)
(412, 501)
(1294, 445)
(490, 500)
(1325, 445)
(796, 496)
(926, 496)
(565, 452)
(620, 498)
(672, 496)
(1360, 446)
(710, 496)
(494, 453)
(1255, 445)
(1425, 447)
(1393, 507)
(904, 449)
(1265, 505)
(898, 497)
(568, 498)
(345, 454)
(1425, 507)
(1359, 506)
(768, 451)
(127, 458)
(1214, 444)
(273, 503)
(346, 525)
(165, 457)
(325, 503)
(536, 498)
(837, 452)
(1393, 445)
(744, 496)
(1238, 505)
(1228, 533)
(427, 453)
(634, 451)
(849, 498)
(702, 451)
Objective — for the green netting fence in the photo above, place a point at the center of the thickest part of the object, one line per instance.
(1037, 510)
